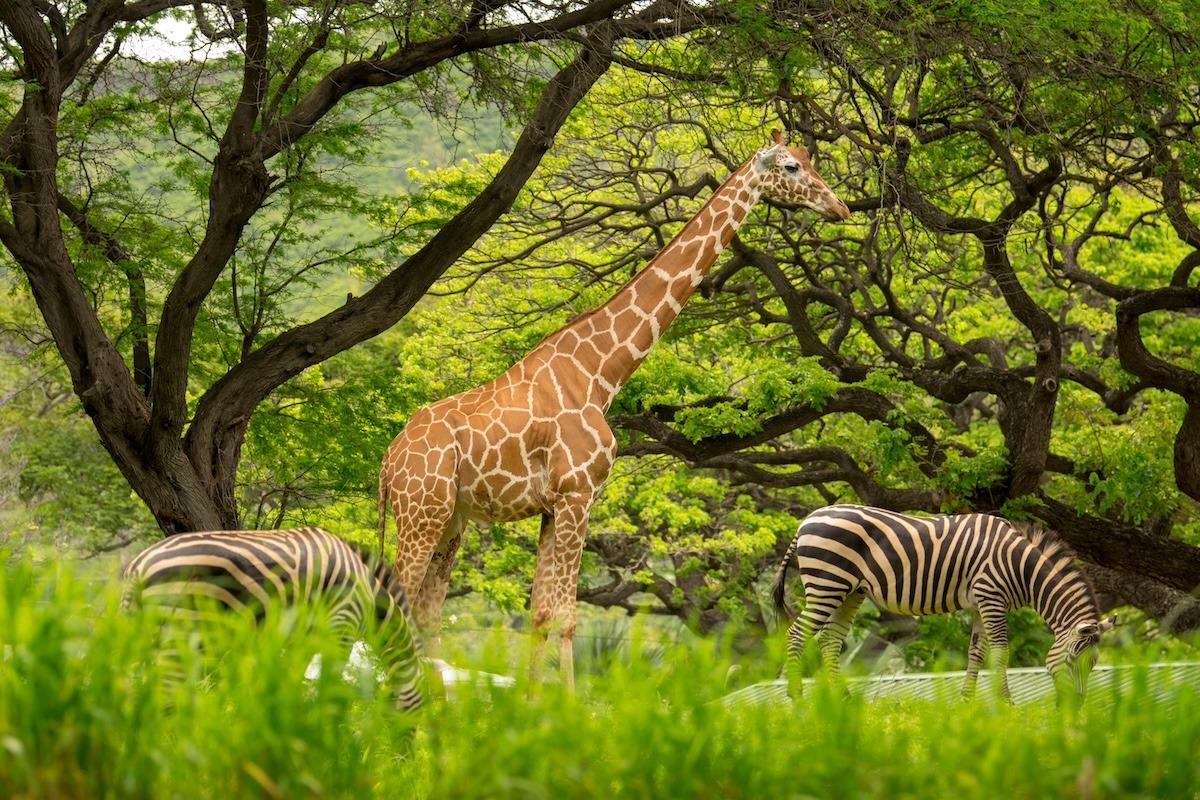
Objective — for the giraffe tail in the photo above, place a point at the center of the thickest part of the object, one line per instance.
(778, 586)
(383, 498)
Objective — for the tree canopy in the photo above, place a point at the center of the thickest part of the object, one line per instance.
(1008, 323)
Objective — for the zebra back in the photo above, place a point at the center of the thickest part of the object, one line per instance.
(255, 571)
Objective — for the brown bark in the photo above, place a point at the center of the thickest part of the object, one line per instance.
(1154, 371)
(1166, 560)
(1178, 612)
(187, 480)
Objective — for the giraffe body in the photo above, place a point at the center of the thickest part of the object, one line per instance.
(534, 441)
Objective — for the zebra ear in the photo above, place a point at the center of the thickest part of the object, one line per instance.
(1086, 630)
(1108, 624)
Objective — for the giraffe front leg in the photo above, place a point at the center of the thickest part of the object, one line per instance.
(539, 606)
(556, 607)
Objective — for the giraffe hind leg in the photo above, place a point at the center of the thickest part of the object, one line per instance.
(423, 492)
(431, 596)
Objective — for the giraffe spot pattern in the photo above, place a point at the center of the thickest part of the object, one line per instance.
(534, 440)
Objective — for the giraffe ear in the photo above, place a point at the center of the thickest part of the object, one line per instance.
(767, 159)
(779, 136)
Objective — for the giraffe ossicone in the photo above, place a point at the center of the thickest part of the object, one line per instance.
(534, 441)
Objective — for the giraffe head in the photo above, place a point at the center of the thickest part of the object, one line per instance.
(787, 175)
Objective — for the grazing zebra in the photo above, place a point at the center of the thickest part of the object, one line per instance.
(257, 572)
(932, 565)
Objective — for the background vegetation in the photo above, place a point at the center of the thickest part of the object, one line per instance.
(232, 273)
(82, 714)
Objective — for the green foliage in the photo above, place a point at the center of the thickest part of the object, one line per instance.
(772, 386)
(1124, 464)
(58, 485)
(498, 564)
(82, 714)
(84, 711)
(963, 475)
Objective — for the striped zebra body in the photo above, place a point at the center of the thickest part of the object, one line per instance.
(932, 565)
(201, 576)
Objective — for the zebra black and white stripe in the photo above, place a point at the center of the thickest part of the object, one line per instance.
(932, 565)
(259, 572)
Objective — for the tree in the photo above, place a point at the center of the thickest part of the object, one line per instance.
(980, 341)
(1010, 325)
(171, 310)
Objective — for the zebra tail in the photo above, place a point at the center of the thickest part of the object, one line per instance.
(778, 587)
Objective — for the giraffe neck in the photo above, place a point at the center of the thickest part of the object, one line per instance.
(604, 346)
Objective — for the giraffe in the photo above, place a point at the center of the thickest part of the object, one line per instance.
(534, 441)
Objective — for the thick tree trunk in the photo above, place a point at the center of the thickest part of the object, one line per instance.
(1156, 372)
(1128, 550)
(1178, 612)
(187, 479)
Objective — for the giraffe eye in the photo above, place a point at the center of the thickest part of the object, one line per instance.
(792, 168)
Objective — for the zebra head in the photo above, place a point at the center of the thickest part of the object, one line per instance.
(1075, 652)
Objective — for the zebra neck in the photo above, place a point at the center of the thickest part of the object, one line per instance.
(1062, 597)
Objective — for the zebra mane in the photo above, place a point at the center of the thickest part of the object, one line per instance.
(1057, 551)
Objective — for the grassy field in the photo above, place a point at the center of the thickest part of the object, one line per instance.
(83, 715)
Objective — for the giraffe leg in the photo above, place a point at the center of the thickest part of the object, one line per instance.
(413, 564)
(560, 548)
(539, 606)
(423, 493)
(431, 596)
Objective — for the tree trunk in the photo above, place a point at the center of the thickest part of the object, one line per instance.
(185, 469)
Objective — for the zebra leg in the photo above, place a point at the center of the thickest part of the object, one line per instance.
(995, 624)
(819, 606)
(974, 658)
(834, 633)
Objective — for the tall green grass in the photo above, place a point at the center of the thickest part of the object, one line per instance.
(83, 713)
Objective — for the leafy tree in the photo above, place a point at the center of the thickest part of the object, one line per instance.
(1010, 326)
(1008, 323)
(174, 218)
